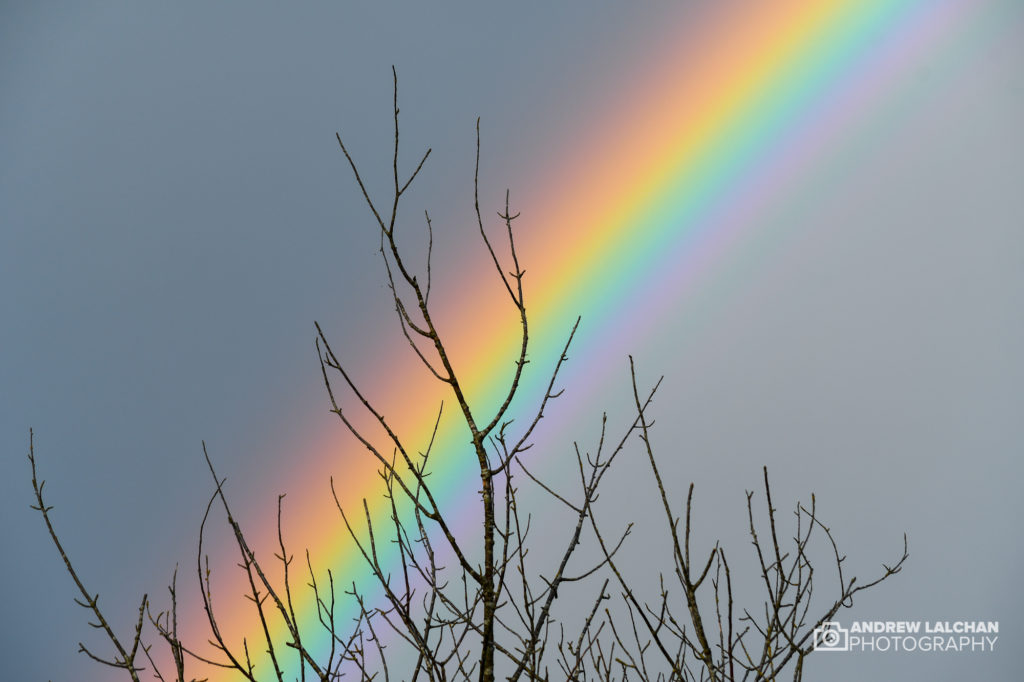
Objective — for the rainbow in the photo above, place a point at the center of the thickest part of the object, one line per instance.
(649, 196)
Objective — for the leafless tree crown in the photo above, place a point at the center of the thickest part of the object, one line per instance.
(453, 607)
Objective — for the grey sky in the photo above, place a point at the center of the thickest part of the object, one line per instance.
(174, 214)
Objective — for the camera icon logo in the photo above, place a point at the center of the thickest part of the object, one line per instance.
(831, 637)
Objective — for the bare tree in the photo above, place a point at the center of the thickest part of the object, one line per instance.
(482, 607)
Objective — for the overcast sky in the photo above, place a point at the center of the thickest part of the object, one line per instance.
(174, 214)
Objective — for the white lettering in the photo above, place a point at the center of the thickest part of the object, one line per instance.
(902, 635)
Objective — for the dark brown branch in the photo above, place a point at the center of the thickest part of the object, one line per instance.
(123, 660)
